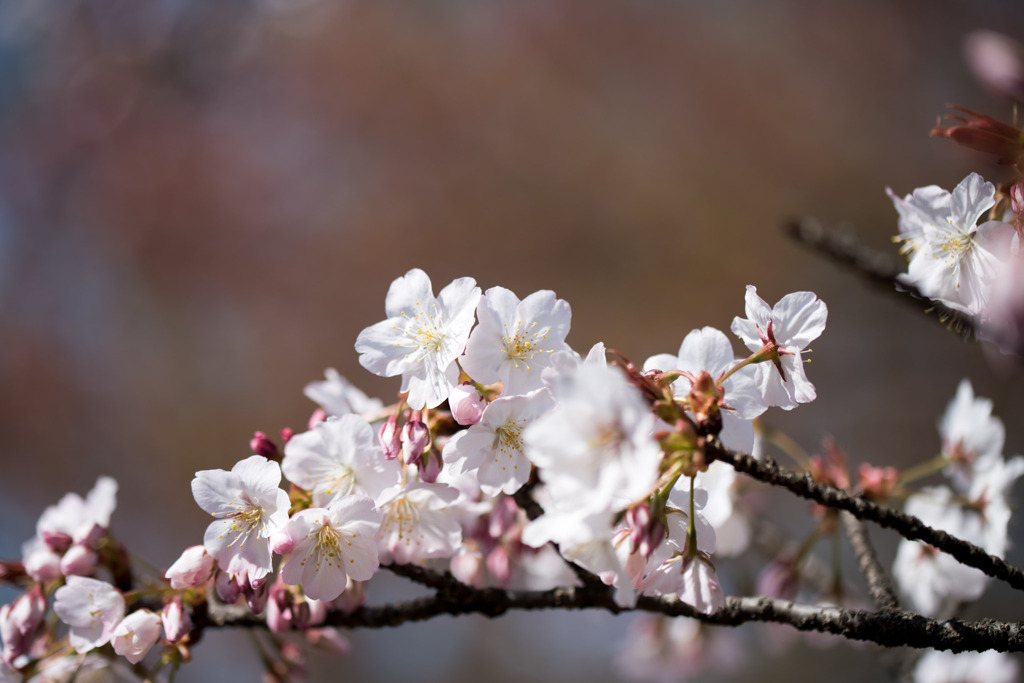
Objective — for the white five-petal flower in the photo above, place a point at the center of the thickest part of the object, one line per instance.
(337, 458)
(331, 545)
(92, 609)
(954, 260)
(249, 506)
(421, 337)
(793, 323)
(515, 340)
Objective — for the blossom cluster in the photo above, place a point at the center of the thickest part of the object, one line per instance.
(497, 415)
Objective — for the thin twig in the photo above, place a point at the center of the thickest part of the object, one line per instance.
(840, 245)
(906, 525)
(879, 586)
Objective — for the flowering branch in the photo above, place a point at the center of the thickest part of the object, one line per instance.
(909, 527)
(889, 628)
(842, 246)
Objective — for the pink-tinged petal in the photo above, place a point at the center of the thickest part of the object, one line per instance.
(496, 308)
(362, 558)
(547, 311)
(969, 200)
(407, 293)
(324, 578)
(101, 501)
(800, 387)
(800, 318)
(431, 389)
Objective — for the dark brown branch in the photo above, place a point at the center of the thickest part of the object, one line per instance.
(890, 628)
(840, 245)
(879, 586)
(909, 527)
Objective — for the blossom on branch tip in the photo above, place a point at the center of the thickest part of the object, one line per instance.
(193, 568)
(781, 333)
(421, 337)
(954, 260)
(248, 506)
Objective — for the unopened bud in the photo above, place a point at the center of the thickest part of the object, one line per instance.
(466, 404)
(286, 434)
(415, 437)
(261, 444)
(390, 442)
(429, 465)
(20, 622)
(79, 560)
(193, 568)
(227, 588)
(177, 622)
(317, 417)
(997, 62)
(499, 563)
(877, 483)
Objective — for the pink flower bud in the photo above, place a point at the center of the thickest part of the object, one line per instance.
(466, 403)
(136, 633)
(877, 483)
(79, 560)
(58, 541)
(262, 445)
(389, 439)
(256, 592)
(20, 622)
(468, 567)
(177, 622)
(429, 465)
(503, 517)
(41, 563)
(499, 564)
(227, 588)
(318, 416)
(193, 568)
(279, 609)
(286, 434)
(415, 437)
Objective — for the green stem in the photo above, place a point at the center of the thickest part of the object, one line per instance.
(691, 527)
(923, 469)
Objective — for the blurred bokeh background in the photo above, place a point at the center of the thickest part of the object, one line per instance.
(203, 203)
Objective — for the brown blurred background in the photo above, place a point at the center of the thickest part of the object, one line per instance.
(203, 203)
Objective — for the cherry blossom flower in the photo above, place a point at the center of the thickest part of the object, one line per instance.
(515, 339)
(92, 609)
(136, 633)
(782, 332)
(927, 577)
(421, 337)
(418, 523)
(596, 449)
(966, 667)
(337, 396)
(971, 435)
(75, 519)
(248, 506)
(955, 261)
(332, 544)
(709, 350)
(494, 446)
(337, 458)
